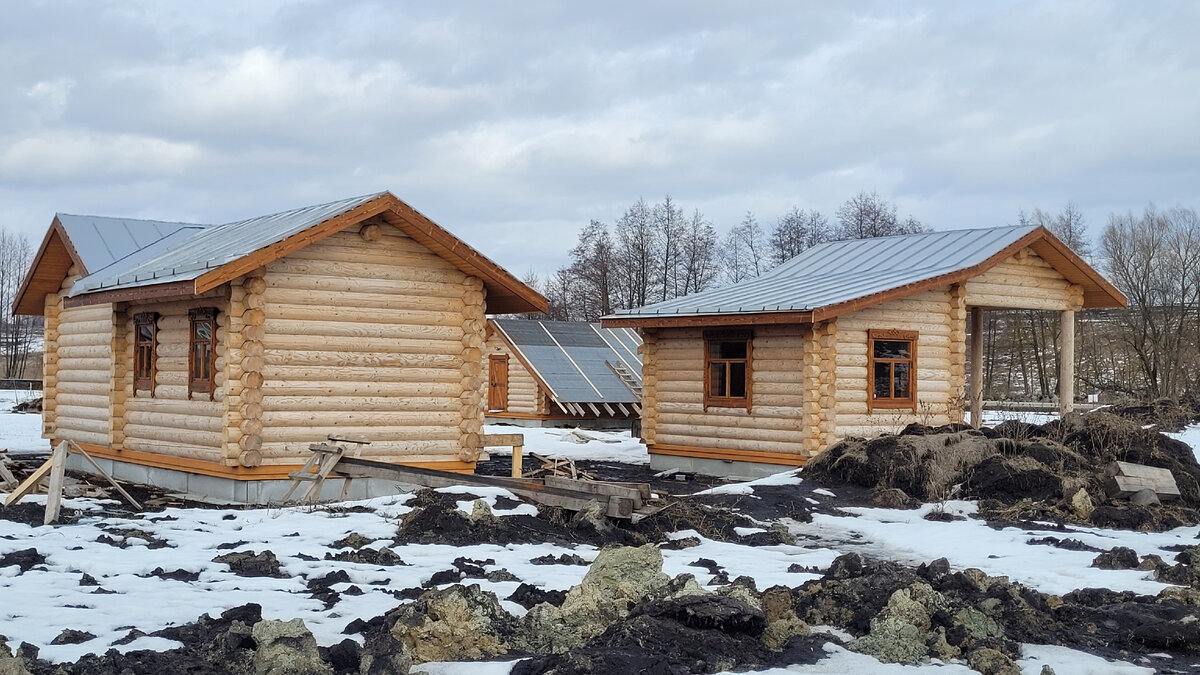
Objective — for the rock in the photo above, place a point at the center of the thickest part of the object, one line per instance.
(1047, 670)
(529, 596)
(777, 633)
(383, 556)
(481, 512)
(707, 612)
(898, 633)
(1145, 497)
(353, 540)
(458, 623)
(71, 636)
(1080, 504)
(681, 543)
(592, 518)
(619, 578)
(564, 559)
(1119, 558)
(286, 648)
(992, 662)
(251, 564)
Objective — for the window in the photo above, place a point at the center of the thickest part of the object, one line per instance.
(892, 356)
(727, 367)
(145, 340)
(202, 350)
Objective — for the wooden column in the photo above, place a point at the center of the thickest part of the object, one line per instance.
(471, 399)
(649, 350)
(976, 367)
(1066, 362)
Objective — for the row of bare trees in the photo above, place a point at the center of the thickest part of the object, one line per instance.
(657, 252)
(20, 336)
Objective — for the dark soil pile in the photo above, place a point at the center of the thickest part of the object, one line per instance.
(1167, 414)
(33, 405)
(436, 519)
(1023, 471)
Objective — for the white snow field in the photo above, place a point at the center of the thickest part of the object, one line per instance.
(37, 605)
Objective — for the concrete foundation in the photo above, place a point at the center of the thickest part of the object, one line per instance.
(226, 490)
(724, 468)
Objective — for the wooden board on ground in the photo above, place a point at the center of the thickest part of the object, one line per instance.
(54, 489)
(1129, 479)
(30, 484)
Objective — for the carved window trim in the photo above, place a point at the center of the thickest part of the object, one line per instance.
(892, 402)
(723, 399)
(145, 352)
(202, 353)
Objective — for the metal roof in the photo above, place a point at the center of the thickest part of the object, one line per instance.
(207, 247)
(841, 271)
(100, 241)
(572, 358)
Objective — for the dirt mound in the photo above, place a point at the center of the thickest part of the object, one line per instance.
(1057, 471)
(1167, 414)
(33, 405)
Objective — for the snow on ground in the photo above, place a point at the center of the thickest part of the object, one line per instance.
(905, 536)
(784, 478)
(577, 444)
(20, 432)
(43, 602)
(1191, 436)
(993, 417)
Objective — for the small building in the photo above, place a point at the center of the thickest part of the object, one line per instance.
(547, 373)
(850, 338)
(208, 357)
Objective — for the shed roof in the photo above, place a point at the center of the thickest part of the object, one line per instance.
(574, 360)
(841, 276)
(126, 259)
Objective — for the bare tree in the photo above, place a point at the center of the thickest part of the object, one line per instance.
(796, 231)
(869, 215)
(637, 253)
(745, 249)
(669, 227)
(699, 251)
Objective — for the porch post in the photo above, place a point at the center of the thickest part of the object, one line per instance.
(1066, 361)
(976, 367)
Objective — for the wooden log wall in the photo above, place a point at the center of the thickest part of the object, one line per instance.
(649, 351)
(171, 422)
(242, 428)
(819, 423)
(368, 332)
(1024, 281)
(958, 401)
(525, 395)
(674, 372)
(929, 314)
(78, 366)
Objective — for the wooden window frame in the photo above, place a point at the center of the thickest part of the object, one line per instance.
(711, 401)
(196, 383)
(890, 334)
(145, 383)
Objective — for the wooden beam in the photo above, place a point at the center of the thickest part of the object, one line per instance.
(29, 485)
(707, 320)
(1066, 362)
(54, 488)
(976, 367)
(173, 289)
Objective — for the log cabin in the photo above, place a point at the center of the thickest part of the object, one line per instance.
(562, 373)
(206, 358)
(850, 338)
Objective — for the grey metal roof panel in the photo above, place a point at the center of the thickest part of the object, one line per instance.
(572, 358)
(841, 271)
(102, 241)
(214, 246)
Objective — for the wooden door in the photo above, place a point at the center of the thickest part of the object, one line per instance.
(498, 382)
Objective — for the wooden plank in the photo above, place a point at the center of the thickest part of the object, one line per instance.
(502, 440)
(29, 485)
(1143, 471)
(54, 489)
(1130, 485)
(516, 462)
(592, 487)
(112, 481)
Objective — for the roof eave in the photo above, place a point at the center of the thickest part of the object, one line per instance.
(706, 320)
(31, 305)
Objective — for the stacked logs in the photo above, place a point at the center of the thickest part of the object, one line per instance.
(471, 398)
(820, 386)
(958, 353)
(246, 330)
(648, 349)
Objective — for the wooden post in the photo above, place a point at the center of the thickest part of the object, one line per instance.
(1066, 362)
(976, 367)
(516, 467)
(54, 490)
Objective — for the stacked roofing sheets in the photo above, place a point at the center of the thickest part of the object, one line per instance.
(578, 362)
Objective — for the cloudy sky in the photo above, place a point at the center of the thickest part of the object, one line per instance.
(515, 123)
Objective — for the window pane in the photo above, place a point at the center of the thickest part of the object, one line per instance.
(883, 376)
(717, 379)
(735, 349)
(892, 349)
(737, 380)
(202, 330)
(145, 332)
(901, 374)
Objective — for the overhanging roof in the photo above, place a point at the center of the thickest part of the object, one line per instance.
(843, 276)
(571, 359)
(191, 259)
